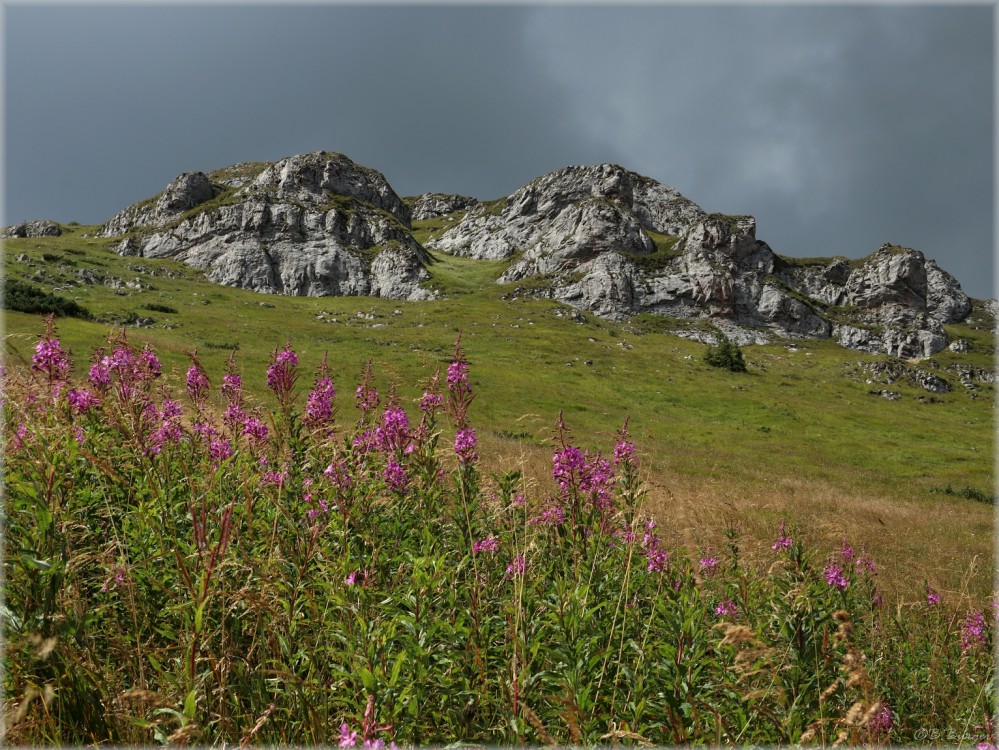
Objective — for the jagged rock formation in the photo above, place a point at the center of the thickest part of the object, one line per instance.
(315, 225)
(615, 243)
(432, 205)
(42, 228)
(575, 207)
(599, 238)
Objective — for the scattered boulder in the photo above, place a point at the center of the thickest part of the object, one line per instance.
(42, 228)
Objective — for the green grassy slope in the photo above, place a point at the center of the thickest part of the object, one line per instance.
(802, 416)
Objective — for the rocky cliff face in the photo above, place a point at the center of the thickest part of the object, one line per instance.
(315, 224)
(615, 243)
(601, 238)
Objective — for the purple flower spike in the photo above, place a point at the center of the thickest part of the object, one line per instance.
(727, 609)
(395, 476)
(783, 541)
(464, 445)
(347, 738)
(50, 360)
(517, 568)
(319, 408)
(197, 384)
(973, 631)
(835, 576)
(489, 544)
(281, 372)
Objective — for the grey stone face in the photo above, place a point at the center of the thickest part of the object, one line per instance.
(313, 225)
(605, 239)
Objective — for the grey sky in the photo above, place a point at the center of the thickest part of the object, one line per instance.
(838, 127)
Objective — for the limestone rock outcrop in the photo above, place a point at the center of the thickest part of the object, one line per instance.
(42, 228)
(314, 224)
(598, 238)
(617, 244)
(558, 208)
(432, 205)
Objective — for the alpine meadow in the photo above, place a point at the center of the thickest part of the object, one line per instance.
(290, 459)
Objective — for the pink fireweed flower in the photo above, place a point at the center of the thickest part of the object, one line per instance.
(517, 568)
(973, 631)
(430, 402)
(882, 722)
(274, 477)
(20, 437)
(50, 360)
(567, 465)
(338, 474)
(100, 375)
(783, 541)
(352, 578)
(395, 476)
(347, 738)
(393, 433)
(169, 429)
(319, 407)
(366, 398)
(835, 576)
(464, 445)
(489, 544)
(590, 476)
(624, 449)
(656, 559)
(553, 515)
(726, 609)
(708, 565)
(148, 366)
(864, 564)
(81, 400)
(232, 386)
(78, 434)
(321, 507)
(846, 552)
(281, 372)
(219, 449)
(457, 378)
(117, 577)
(234, 416)
(255, 430)
(624, 453)
(365, 441)
(459, 390)
(197, 384)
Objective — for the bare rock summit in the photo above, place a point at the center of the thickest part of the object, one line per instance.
(314, 224)
(599, 238)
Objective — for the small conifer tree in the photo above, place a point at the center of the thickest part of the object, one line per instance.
(725, 354)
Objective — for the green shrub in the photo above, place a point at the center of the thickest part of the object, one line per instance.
(21, 297)
(159, 308)
(726, 355)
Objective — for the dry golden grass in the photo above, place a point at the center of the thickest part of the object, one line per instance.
(946, 541)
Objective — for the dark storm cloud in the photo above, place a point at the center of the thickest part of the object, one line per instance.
(104, 105)
(839, 127)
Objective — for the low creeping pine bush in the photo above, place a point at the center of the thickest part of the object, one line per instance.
(182, 567)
